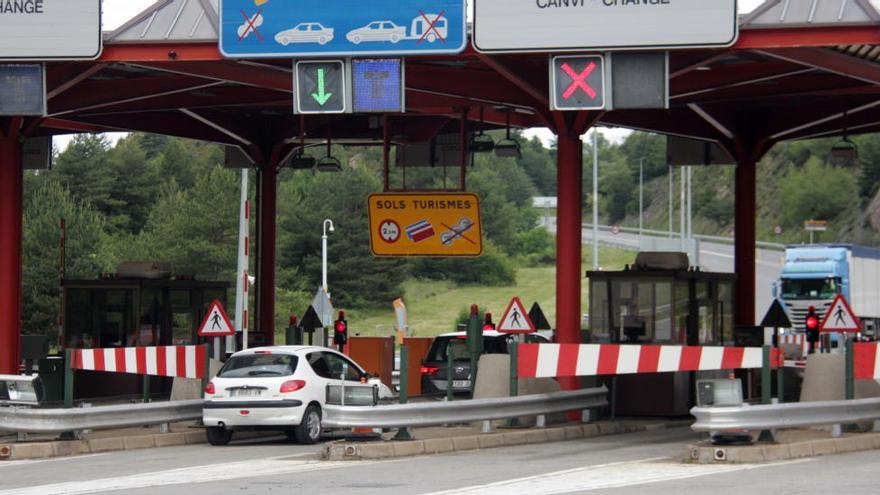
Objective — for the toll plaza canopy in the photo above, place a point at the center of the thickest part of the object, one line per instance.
(797, 70)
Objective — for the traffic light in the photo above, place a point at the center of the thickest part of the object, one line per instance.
(812, 322)
(341, 331)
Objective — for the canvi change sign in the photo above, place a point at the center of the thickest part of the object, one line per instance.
(558, 25)
(50, 29)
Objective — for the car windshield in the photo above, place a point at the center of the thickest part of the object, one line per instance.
(821, 288)
(258, 365)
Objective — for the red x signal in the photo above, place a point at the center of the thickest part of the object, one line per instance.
(579, 81)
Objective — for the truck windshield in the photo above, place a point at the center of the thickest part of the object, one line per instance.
(823, 288)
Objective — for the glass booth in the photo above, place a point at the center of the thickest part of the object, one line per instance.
(659, 300)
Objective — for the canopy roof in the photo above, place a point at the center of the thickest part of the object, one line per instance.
(798, 70)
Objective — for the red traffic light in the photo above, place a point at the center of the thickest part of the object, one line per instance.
(812, 322)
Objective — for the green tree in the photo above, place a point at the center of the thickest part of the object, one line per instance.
(83, 169)
(46, 204)
(136, 184)
(816, 191)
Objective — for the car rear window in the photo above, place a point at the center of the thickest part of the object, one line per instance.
(258, 365)
(458, 348)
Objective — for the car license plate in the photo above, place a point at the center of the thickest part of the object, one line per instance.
(244, 392)
(461, 383)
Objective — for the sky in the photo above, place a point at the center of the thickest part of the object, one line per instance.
(116, 12)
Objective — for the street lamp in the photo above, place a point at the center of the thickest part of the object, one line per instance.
(324, 253)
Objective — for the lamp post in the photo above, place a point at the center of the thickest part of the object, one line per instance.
(324, 253)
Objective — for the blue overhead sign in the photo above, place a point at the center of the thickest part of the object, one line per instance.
(303, 28)
(376, 85)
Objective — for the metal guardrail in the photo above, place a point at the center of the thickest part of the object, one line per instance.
(465, 411)
(779, 416)
(26, 420)
(711, 238)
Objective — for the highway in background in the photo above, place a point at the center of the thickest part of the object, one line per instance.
(714, 256)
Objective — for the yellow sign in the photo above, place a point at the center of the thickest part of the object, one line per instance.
(441, 224)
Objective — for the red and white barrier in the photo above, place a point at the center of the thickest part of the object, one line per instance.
(866, 365)
(796, 339)
(556, 360)
(177, 361)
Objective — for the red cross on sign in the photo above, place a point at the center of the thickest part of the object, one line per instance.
(577, 82)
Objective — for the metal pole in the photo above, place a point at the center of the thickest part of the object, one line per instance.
(449, 363)
(681, 207)
(765, 376)
(641, 198)
(11, 180)
(403, 394)
(68, 378)
(324, 261)
(241, 284)
(690, 224)
(850, 375)
(217, 348)
(671, 205)
(514, 377)
(595, 199)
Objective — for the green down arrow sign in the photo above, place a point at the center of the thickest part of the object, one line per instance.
(321, 96)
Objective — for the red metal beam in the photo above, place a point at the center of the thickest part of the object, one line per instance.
(569, 185)
(100, 94)
(830, 61)
(228, 72)
(10, 253)
(160, 52)
(815, 36)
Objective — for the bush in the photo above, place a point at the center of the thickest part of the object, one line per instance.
(535, 247)
(493, 268)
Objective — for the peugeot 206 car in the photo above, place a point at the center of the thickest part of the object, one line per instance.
(305, 32)
(277, 388)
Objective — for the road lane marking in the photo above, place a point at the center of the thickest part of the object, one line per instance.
(256, 468)
(24, 462)
(606, 476)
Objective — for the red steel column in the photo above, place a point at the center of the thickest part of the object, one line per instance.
(744, 240)
(569, 187)
(10, 254)
(267, 182)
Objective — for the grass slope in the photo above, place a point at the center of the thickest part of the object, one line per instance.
(433, 306)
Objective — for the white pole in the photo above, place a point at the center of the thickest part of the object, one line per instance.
(324, 255)
(241, 283)
(682, 208)
(641, 198)
(595, 198)
(690, 223)
(671, 206)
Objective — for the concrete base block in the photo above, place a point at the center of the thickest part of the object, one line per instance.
(438, 445)
(197, 437)
(606, 428)
(742, 454)
(491, 440)
(376, 451)
(572, 432)
(465, 443)
(106, 444)
(139, 442)
(171, 439)
(32, 451)
(555, 434)
(590, 430)
(521, 437)
(536, 436)
(777, 452)
(801, 449)
(824, 447)
(411, 448)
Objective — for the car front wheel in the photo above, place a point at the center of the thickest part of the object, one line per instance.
(309, 429)
(218, 436)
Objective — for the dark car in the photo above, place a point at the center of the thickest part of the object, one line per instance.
(433, 369)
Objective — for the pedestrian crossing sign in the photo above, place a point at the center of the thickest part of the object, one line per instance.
(840, 317)
(516, 319)
(216, 322)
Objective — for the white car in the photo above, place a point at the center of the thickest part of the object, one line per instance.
(278, 387)
(305, 32)
(377, 31)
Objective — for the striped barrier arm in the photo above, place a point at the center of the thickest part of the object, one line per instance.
(866, 366)
(183, 361)
(558, 360)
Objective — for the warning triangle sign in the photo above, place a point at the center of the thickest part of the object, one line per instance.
(216, 322)
(840, 317)
(516, 319)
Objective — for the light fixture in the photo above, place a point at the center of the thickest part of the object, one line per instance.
(844, 151)
(328, 163)
(508, 147)
(480, 143)
(301, 161)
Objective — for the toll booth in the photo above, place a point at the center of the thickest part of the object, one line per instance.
(140, 305)
(659, 300)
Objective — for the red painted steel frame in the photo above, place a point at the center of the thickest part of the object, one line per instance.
(744, 240)
(267, 179)
(568, 245)
(10, 253)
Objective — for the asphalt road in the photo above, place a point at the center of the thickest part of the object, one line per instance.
(637, 464)
(715, 257)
